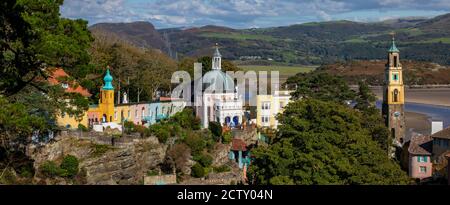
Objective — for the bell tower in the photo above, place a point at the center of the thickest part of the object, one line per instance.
(217, 59)
(106, 103)
(394, 95)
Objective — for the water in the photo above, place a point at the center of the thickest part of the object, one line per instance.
(435, 112)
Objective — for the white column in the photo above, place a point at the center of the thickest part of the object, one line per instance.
(205, 113)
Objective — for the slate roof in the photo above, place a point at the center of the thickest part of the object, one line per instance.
(420, 145)
(445, 134)
(238, 145)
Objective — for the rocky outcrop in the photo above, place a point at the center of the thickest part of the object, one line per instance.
(220, 154)
(109, 165)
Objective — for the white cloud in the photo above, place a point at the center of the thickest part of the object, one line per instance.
(236, 13)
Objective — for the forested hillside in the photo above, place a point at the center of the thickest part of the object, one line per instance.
(309, 43)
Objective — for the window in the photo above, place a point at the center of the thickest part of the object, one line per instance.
(395, 76)
(423, 169)
(128, 113)
(445, 143)
(265, 119)
(395, 97)
(143, 112)
(115, 115)
(135, 113)
(422, 158)
(266, 105)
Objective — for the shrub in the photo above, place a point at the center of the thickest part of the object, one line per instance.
(227, 137)
(204, 159)
(152, 173)
(198, 171)
(8, 177)
(99, 149)
(223, 168)
(70, 165)
(216, 130)
(196, 143)
(26, 171)
(129, 127)
(82, 128)
(50, 169)
(162, 132)
(142, 130)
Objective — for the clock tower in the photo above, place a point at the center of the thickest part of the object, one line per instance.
(394, 96)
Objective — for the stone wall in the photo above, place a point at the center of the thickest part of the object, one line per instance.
(160, 179)
(124, 164)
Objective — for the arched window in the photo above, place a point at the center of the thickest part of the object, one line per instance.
(395, 95)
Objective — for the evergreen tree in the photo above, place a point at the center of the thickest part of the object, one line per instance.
(323, 143)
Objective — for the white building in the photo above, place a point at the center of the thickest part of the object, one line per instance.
(220, 101)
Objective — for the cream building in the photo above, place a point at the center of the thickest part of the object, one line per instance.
(219, 98)
(268, 106)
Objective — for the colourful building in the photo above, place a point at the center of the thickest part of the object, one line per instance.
(106, 111)
(420, 165)
(59, 77)
(268, 106)
(394, 95)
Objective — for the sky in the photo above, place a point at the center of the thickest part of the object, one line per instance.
(247, 13)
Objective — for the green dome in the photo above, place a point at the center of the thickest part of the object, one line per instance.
(218, 81)
(108, 79)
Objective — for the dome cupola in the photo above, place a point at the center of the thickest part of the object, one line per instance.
(108, 81)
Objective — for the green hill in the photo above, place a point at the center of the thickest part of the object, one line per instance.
(312, 43)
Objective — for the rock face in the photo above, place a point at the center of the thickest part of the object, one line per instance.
(220, 154)
(113, 165)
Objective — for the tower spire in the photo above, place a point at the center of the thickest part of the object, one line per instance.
(393, 48)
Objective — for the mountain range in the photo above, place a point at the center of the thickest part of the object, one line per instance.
(421, 39)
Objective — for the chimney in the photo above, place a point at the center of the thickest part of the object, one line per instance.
(436, 126)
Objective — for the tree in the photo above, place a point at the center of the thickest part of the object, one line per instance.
(372, 120)
(323, 143)
(365, 99)
(34, 38)
(216, 130)
(322, 86)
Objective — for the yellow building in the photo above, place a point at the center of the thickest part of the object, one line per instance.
(394, 95)
(113, 115)
(58, 76)
(268, 106)
(105, 109)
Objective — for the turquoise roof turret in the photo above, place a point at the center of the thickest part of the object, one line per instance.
(108, 81)
(393, 48)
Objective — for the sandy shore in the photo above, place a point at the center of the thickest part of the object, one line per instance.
(417, 122)
(432, 96)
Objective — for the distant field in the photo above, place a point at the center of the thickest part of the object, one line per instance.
(285, 71)
(239, 36)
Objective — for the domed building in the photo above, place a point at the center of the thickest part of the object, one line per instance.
(219, 100)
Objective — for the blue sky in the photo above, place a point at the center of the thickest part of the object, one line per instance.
(247, 13)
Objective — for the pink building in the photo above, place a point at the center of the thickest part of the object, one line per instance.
(420, 165)
(448, 168)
